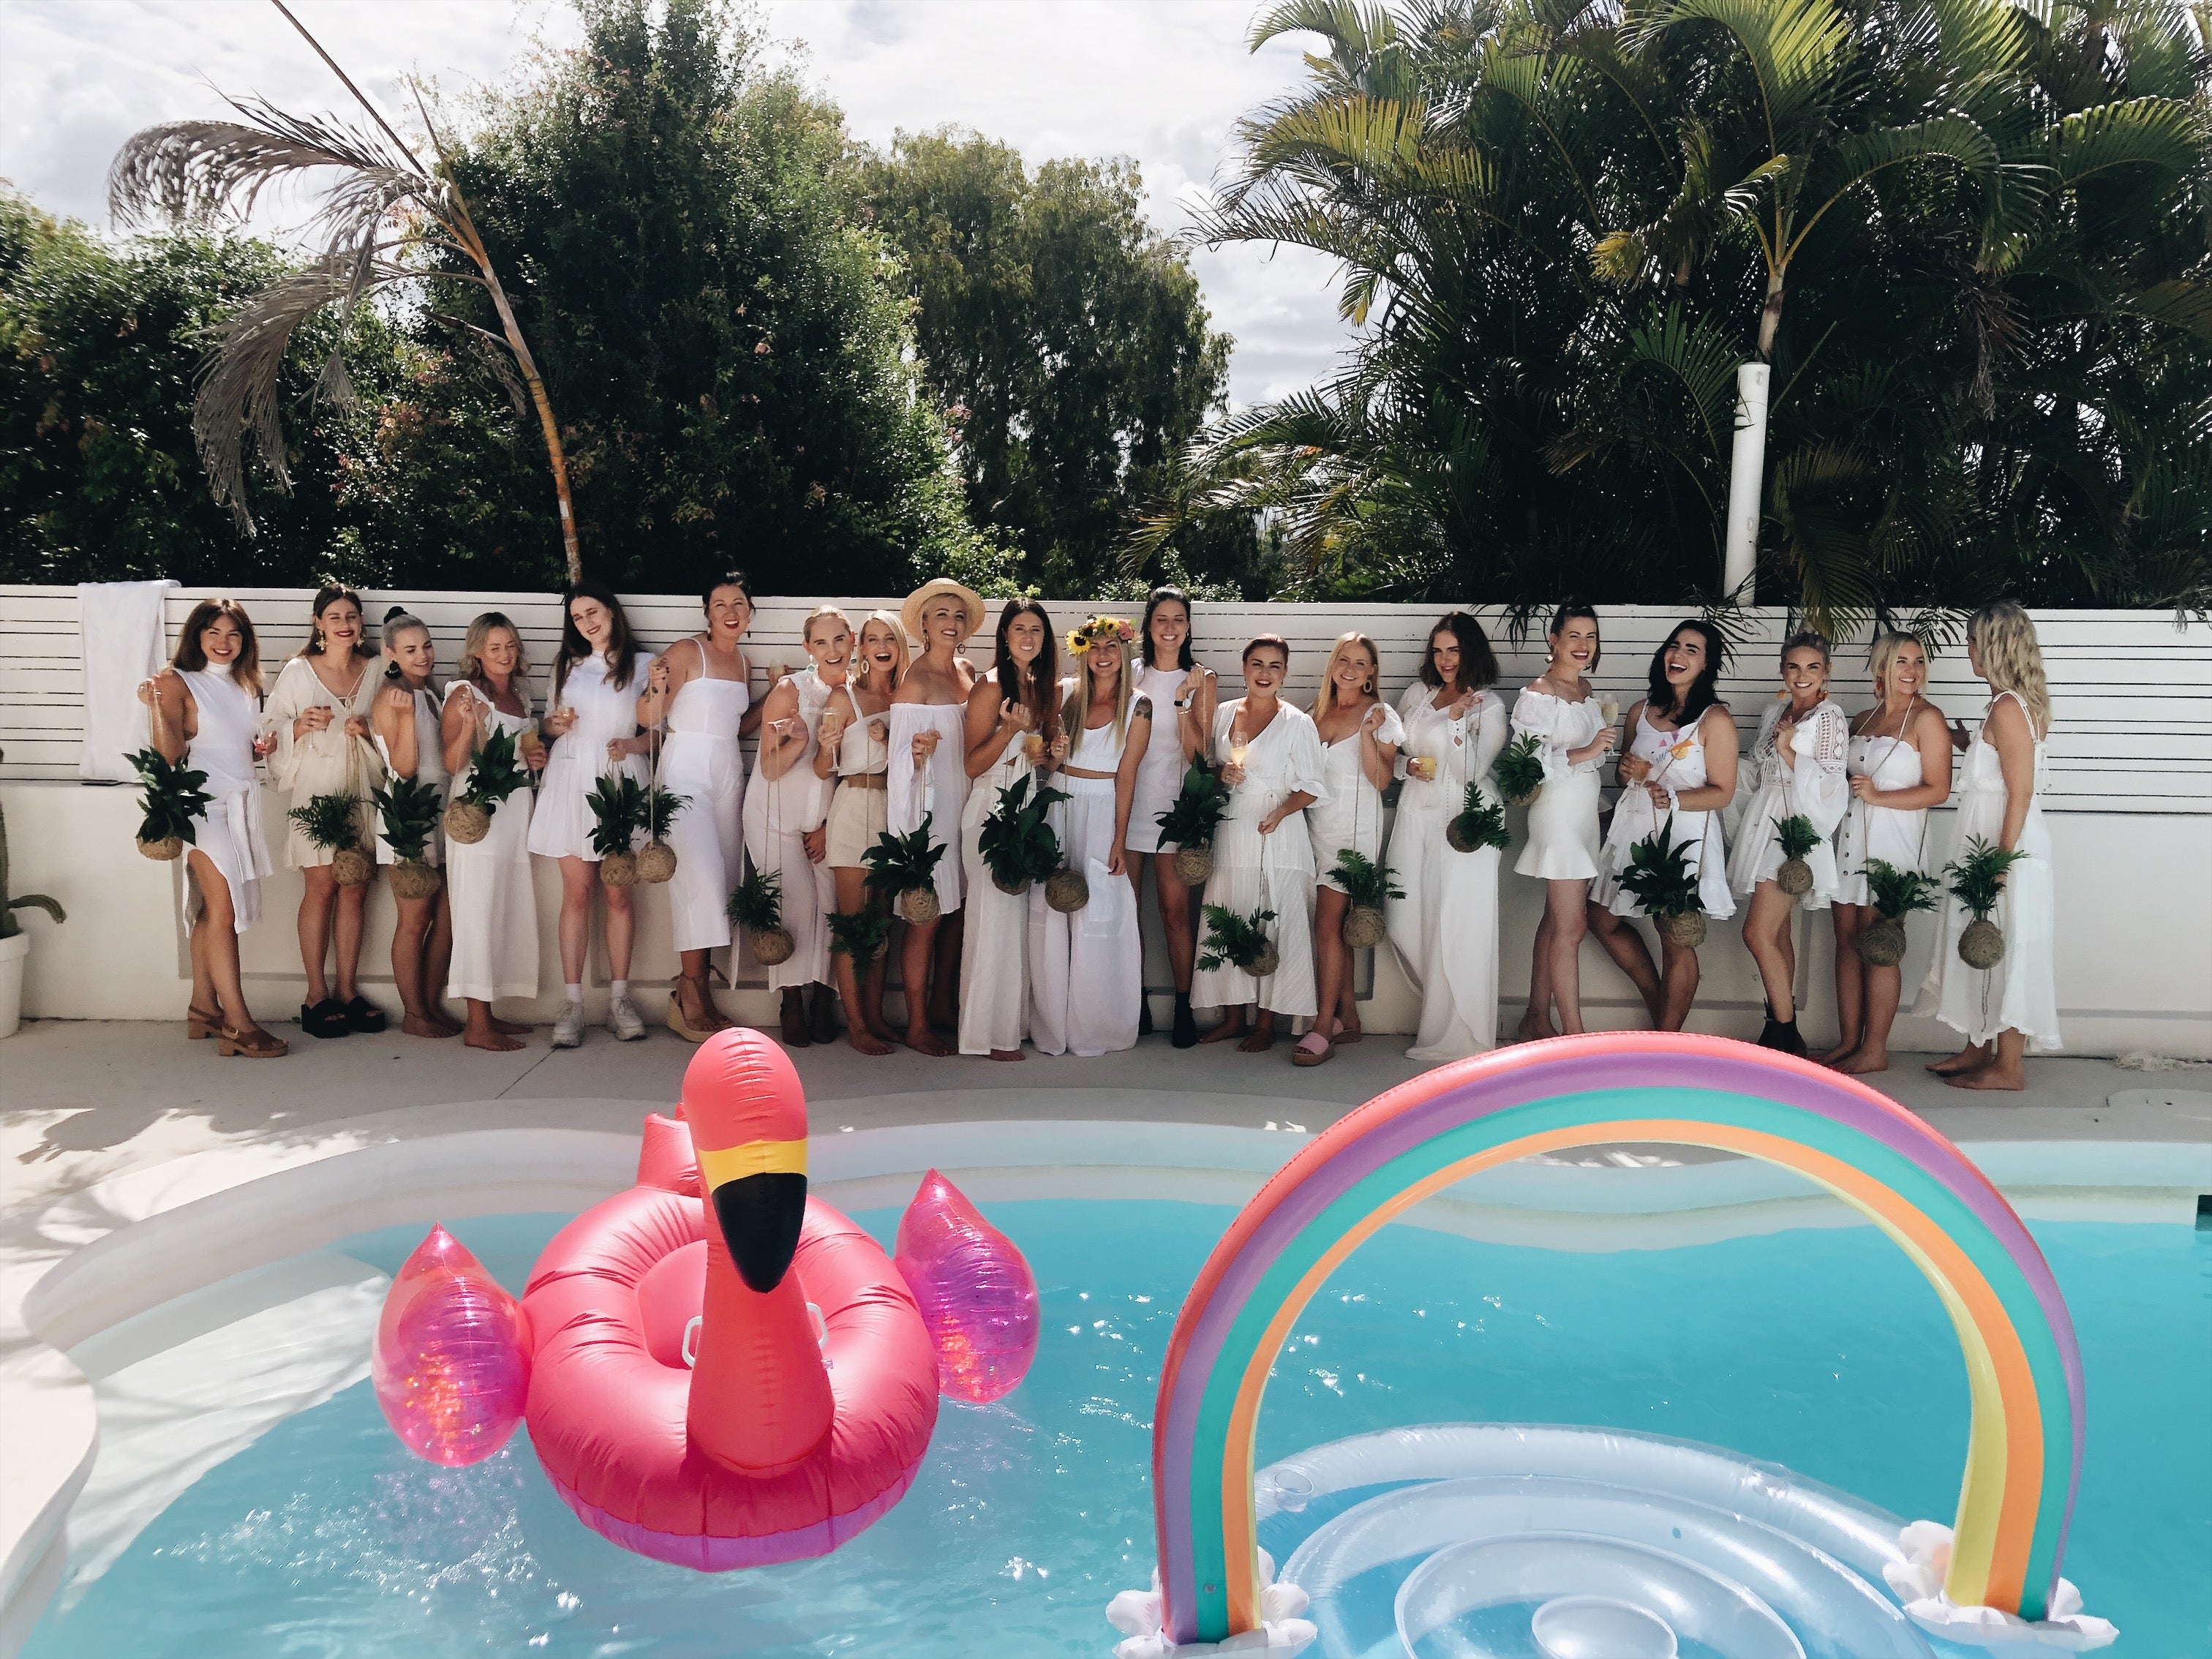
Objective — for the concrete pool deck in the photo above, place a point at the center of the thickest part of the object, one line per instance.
(112, 1128)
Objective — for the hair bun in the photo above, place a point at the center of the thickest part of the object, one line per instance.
(395, 613)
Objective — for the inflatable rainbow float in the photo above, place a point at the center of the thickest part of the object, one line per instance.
(1993, 1578)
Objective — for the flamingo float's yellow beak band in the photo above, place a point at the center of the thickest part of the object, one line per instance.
(719, 1167)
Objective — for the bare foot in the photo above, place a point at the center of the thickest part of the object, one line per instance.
(2012, 1078)
(925, 1042)
(1864, 1060)
(882, 1032)
(1229, 1028)
(866, 1041)
(1971, 1058)
(1261, 1040)
(421, 1025)
(1534, 1028)
(1008, 1053)
(1842, 1051)
(496, 1037)
(509, 1028)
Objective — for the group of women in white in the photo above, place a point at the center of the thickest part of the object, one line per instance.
(891, 728)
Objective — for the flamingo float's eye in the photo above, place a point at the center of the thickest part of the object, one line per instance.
(760, 1216)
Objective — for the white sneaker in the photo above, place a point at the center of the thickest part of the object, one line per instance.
(622, 1020)
(568, 1030)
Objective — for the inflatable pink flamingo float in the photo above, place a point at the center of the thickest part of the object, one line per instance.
(717, 1370)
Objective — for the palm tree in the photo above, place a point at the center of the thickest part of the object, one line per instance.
(382, 217)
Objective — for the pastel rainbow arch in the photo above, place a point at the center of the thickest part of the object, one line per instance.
(2023, 1365)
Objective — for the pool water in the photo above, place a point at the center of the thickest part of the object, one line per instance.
(1821, 1349)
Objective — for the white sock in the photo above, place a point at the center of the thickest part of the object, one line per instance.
(619, 989)
(575, 991)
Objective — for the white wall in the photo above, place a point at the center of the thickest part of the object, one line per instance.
(2131, 814)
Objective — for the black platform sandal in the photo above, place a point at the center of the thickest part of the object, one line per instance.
(362, 1015)
(327, 1018)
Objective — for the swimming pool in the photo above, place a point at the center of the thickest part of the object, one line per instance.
(1819, 1348)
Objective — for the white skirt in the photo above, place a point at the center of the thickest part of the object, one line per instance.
(1444, 934)
(995, 977)
(1757, 854)
(494, 909)
(808, 892)
(1253, 871)
(561, 822)
(2021, 994)
(1563, 843)
(230, 835)
(707, 836)
(1087, 971)
(1159, 780)
(1634, 819)
(1356, 823)
(1899, 839)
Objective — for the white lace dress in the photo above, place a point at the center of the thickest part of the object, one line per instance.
(1253, 871)
(2021, 994)
(1808, 782)
(934, 791)
(1444, 931)
(778, 814)
(487, 885)
(229, 832)
(1899, 839)
(995, 946)
(1352, 816)
(1563, 839)
(1678, 764)
(1087, 971)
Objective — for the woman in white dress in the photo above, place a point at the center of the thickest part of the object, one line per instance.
(318, 712)
(787, 832)
(1013, 715)
(1898, 767)
(855, 750)
(592, 718)
(205, 710)
(1444, 931)
(1361, 737)
(1679, 773)
(1262, 856)
(2006, 1011)
(701, 689)
(1797, 770)
(406, 720)
(1178, 684)
(488, 885)
(1087, 969)
(1567, 721)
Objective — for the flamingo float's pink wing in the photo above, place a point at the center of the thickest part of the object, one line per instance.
(452, 1361)
(977, 1294)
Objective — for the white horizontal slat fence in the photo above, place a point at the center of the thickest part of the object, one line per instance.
(2131, 690)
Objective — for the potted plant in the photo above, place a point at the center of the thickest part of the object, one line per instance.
(1238, 941)
(409, 810)
(860, 935)
(756, 906)
(1367, 884)
(1478, 824)
(1191, 823)
(1520, 770)
(173, 799)
(656, 860)
(1659, 877)
(1017, 845)
(495, 773)
(1977, 882)
(617, 806)
(333, 821)
(903, 869)
(1896, 894)
(1798, 837)
(15, 943)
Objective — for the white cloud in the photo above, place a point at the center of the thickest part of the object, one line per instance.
(1163, 81)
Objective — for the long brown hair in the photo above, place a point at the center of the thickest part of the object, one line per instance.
(191, 655)
(1477, 663)
(621, 645)
(1041, 696)
(326, 596)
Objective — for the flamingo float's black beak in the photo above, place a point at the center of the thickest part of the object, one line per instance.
(760, 1216)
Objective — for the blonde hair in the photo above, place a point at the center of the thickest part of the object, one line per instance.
(901, 663)
(1347, 642)
(1886, 647)
(821, 612)
(470, 666)
(1075, 708)
(2012, 658)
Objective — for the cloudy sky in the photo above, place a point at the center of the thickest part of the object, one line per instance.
(1161, 81)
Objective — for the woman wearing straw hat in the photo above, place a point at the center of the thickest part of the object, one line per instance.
(929, 786)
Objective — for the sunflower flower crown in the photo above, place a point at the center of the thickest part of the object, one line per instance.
(1100, 630)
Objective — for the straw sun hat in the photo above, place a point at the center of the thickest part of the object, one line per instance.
(937, 587)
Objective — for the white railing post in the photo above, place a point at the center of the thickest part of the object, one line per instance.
(1745, 469)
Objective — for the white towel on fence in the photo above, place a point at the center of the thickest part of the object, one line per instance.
(120, 626)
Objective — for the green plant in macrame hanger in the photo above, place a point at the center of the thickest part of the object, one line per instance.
(1661, 878)
(1239, 941)
(756, 906)
(617, 804)
(1797, 836)
(1977, 882)
(860, 934)
(1896, 894)
(8, 926)
(332, 822)
(410, 813)
(1367, 884)
(903, 869)
(1017, 843)
(1477, 824)
(1192, 822)
(495, 773)
(1520, 770)
(173, 798)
